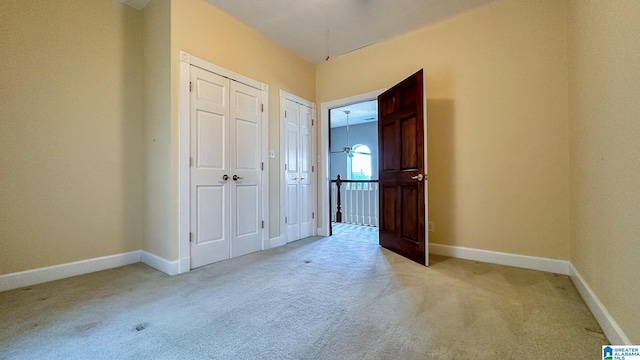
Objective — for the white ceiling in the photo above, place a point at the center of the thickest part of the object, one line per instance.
(314, 29)
(359, 113)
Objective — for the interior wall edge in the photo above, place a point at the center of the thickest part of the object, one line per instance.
(611, 329)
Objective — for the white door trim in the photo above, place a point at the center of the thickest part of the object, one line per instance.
(324, 181)
(186, 60)
(283, 198)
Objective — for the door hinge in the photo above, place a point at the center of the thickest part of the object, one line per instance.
(262, 166)
(286, 220)
(263, 224)
(313, 215)
(190, 161)
(285, 167)
(261, 107)
(190, 237)
(312, 168)
(311, 122)
(190, 86)
(285, 113)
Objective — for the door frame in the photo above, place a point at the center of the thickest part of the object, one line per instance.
(184, 141)
(283, 198)
(324, 181)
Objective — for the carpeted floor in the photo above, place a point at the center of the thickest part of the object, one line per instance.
(342, 297)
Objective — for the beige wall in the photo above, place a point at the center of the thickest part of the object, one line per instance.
(70, 119)
(497, 120)
(156, 140)
(604, 112)
(210, 34)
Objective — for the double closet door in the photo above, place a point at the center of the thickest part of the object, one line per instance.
(225, 168)
(298, 169)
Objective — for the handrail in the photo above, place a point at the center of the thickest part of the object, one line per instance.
(338, 181)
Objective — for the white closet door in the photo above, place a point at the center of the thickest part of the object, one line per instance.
(209, 155)
(298, 174)
(226, 173)
(245, 145)
(292, 171)
(304, 174)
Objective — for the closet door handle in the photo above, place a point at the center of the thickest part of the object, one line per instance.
(225, 177)
(302, 178)
(236, 178)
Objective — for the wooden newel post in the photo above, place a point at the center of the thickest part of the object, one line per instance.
(338, 213)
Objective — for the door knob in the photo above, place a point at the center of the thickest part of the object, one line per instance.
(236, 178)
(296, 178)
(225, 177)
(418, 177)
(302, 178)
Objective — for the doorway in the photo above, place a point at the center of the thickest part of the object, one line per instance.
(402, 120)
(353, 166)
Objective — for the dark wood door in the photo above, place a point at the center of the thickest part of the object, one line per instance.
(402, 176)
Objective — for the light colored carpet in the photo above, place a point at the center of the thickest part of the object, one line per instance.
(342, 297)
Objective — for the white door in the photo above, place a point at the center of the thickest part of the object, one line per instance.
(304, 161)
(245, 145)
(292, 169)
(298, 170)
(225, 189)
(209, 188)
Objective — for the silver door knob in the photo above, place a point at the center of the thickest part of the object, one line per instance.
(236, 178)
(302, 178)
(296, 178)
(225, 177)
(418, 177)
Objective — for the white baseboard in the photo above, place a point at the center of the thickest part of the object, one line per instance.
(158, 263)
(57, 272)
(610, 327)
(521, 261)
(277, 241)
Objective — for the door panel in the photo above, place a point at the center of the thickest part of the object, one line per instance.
(292, 161)
(245, 111)
(247, 138)
(209, 214)
(388, 212)
(210, 141)
(402, 192)
(298, 173)
(409, 156)
(247, 219)
(388, 135)
(304, 183)
(209, 192)
(410, 214)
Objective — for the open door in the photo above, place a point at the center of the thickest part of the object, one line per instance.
(403, 185)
